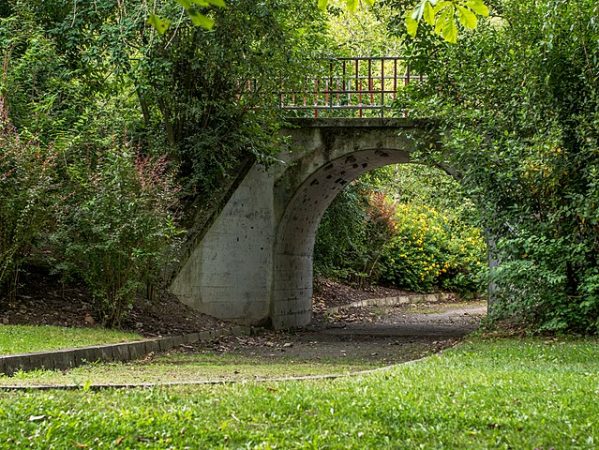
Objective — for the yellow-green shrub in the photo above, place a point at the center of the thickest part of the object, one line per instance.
(429, 250)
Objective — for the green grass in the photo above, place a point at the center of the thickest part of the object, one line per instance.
(27, 338)
(483, 394)
(182, 367)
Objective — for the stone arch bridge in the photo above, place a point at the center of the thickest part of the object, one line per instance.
(253, 265)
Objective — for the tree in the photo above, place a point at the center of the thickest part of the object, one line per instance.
(517, 106)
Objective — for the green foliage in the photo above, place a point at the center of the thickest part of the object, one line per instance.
(115, 228)
(516, 106)
(408, 226)
(429, 251)
(212, 90)
(342, 241)
(444, 15)
(27, 193)
(195, 10)
(88, 82)
(351, 5)
(362, 32)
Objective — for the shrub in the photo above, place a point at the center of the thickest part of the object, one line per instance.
(515, 105)
(117, 228)
(352, 235)
(427, 251)
(27, 177)
(426, 240)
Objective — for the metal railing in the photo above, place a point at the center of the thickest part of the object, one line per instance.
(352, 86)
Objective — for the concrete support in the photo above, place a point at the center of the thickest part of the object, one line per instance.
(227, 275)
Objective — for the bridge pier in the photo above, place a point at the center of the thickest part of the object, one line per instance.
(254, 264)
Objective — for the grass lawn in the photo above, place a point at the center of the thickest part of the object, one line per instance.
(527, 393)
(27, 338)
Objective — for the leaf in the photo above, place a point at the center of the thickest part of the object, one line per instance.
(467, 17)
(442, 5)
(450, 31)
(429, 13)
(322, 4)
(36, 418)
(352, 5)
(446, 26)
(411, 25)
(418, 12)
(217, 3)
(186, 4)
(200, 20)
(160, 24)
(478, 7)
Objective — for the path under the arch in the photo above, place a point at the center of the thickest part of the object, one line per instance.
(254, 263)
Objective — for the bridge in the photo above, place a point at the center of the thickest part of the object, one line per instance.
(253, 264)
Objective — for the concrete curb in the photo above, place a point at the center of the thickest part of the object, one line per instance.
(123, 352)
(394, 301)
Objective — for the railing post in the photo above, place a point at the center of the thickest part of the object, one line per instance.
(382, 87)
(395, 79)
(359, 87)
(370, 82)
(316, 98)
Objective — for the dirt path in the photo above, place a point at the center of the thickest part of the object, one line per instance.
(345, 340)
(377, 335)
(440, 320)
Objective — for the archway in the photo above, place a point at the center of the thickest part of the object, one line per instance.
(291, 304)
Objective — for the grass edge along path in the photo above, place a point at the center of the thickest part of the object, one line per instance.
(485, 393)
(17, 339)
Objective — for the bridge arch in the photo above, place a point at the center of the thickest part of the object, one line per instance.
(335, 152)
(291, 303)
(254, 263)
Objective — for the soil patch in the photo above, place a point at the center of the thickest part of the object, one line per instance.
(44, 300)
(315, 346)
(329, 293)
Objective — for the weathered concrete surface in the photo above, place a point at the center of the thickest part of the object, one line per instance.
(254, 264)
(228, 273)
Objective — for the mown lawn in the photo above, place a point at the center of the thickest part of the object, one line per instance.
(28, 338)
(484, 394)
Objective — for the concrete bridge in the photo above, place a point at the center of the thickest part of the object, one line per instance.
(254, 263)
